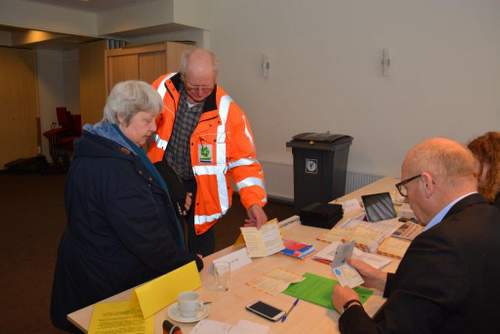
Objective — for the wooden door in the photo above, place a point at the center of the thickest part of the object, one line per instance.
(144, 62)
(18, 104)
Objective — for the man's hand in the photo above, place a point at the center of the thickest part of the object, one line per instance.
(187, 203)
(373, 277)
(341, 295)
(256, 216)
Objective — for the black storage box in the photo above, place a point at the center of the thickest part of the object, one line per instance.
(322, 215)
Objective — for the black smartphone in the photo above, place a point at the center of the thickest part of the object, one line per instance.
(265, 310)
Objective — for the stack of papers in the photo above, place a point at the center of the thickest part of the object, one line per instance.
(297, 249)
(394, 247)
(327, 254)
(366, 238)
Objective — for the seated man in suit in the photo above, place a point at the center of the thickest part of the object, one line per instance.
(448, 280)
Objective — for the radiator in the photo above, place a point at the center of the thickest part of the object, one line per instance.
(355, 180)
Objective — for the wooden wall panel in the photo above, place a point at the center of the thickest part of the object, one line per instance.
(143, 62)
(19, 104)
(92, 81)
(152, 65)
(174, 53)
(122, 68)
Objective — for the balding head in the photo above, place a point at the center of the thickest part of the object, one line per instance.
(446, 159)
(199, 73)
(198, 61)
(447, 169)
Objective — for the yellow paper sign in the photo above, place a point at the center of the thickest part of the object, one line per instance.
(119, 317)
(162, 291)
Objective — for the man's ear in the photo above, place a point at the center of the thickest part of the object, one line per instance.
(428, 184)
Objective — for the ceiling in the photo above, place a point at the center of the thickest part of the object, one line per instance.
(95, 6)
(64, 41)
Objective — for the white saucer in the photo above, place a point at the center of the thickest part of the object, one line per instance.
(174, 314)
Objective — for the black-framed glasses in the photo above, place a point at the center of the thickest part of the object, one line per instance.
(401, 186)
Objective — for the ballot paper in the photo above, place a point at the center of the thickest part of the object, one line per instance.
(264, 241)
(346, 275)
(342, 254)
(351, 205)
(275, 281)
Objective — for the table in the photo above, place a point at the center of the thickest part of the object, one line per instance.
(229, 306)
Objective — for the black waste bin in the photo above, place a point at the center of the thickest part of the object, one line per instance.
(319, 166)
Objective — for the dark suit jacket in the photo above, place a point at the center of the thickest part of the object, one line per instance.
(447, 282)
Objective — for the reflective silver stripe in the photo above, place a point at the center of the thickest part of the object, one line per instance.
(200, 220)
(161, 88)
(242, 162)
(208, 170)
(224, 103)
(161, 143)
(250, 181)
(247, 132)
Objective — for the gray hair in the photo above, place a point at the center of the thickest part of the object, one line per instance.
(186, 54)
(127, 98)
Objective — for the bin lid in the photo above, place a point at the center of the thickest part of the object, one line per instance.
(325, 137)
(320, 141)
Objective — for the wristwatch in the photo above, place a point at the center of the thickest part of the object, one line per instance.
(350, 303)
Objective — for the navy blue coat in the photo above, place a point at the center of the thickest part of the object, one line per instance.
(120, 228)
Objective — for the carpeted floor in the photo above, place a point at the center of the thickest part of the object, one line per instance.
(32, 220)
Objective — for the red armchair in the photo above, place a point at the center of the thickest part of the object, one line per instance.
(61, 139)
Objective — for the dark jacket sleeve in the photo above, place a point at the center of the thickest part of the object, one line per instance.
(145, 226)
(429, 283)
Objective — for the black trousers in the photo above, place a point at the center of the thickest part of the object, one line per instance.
(203, 244)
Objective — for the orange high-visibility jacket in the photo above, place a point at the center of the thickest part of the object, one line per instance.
(222, 146)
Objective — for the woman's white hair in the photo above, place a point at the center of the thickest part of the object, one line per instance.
(127, 98)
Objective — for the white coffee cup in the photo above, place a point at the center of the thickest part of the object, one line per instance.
(189, 304)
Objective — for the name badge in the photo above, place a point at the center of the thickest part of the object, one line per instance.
(205, 152)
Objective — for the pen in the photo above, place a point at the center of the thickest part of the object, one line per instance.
(296, 301)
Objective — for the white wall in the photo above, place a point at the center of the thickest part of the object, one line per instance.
(50, 90)
(58, 85)
(326, 75)
(71, 77)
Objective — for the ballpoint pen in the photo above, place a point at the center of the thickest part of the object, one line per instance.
(296, 301)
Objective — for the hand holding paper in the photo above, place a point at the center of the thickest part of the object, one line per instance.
(347, 275)
(374, 278)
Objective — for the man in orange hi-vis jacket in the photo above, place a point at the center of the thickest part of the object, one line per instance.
(205, 137)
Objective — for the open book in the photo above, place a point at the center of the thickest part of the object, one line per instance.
(264, 241)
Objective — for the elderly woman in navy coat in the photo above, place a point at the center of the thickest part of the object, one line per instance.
(121, 229)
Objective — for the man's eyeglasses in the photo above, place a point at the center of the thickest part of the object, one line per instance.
(401, 186)
(198, 89)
